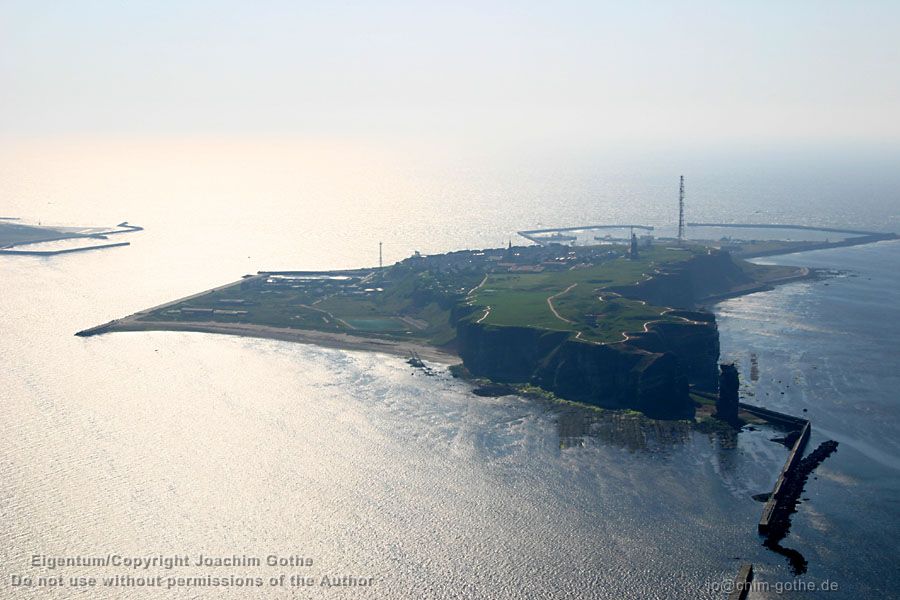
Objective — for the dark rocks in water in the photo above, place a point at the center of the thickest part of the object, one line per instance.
(764, 497)
(729, 385)
(417, 363)
(789, 496)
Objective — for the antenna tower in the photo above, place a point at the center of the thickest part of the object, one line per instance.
(380, 262)
(681, 211)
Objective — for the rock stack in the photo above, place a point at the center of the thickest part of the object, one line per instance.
(727, 404)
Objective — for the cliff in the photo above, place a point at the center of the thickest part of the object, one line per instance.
(650, 371)
(684, 284)
(695, 342)
(619, 375)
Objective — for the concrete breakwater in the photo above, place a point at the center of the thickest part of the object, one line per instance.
(776, 503)
(63, 251)
(15, 235)
(775, 521)
(742, 581)
(853, 241)
(788, 497)
(96, 330)
(773, 416)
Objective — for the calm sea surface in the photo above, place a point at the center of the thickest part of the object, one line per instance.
(148, 444)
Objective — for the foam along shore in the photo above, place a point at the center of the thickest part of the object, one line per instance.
(324, 339)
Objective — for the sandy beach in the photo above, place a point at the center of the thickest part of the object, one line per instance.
(302, 336)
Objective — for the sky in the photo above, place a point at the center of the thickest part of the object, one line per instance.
(634, 71)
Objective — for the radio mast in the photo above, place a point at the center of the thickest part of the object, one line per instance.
(681, 211)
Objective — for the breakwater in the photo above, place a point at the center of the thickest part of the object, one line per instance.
(773, 416)
(858, 237)
(788, 226)
(775, 522)
(741, 587)
(96, 330)
(40, 235)
(64, 251)
(776, 504)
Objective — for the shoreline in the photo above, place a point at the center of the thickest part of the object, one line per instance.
(344, 341)
(339, 341)
(804, 274)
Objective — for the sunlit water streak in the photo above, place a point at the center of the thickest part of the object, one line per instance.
(175, 442)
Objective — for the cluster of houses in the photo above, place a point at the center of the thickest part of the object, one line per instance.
(516, 259)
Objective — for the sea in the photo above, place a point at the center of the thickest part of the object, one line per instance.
(123, 452)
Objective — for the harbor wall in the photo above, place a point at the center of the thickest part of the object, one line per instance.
(776, 500)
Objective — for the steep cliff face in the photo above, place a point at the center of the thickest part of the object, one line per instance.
(505, 354)
(695, 342)
(682, 285)
(650, 372)
(615, 375)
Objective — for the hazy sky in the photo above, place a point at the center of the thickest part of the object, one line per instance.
(624, 70)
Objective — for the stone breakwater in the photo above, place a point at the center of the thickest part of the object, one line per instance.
(774, 510)
(775, 522)
(789, 496)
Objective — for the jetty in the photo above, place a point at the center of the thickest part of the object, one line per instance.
(778, 501)
(775, 522)
(14, 236)
(8, 252)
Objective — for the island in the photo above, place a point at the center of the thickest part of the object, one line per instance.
(610, 325)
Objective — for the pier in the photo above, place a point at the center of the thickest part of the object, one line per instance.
(773, 416)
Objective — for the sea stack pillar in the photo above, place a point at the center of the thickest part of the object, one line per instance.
(729, 383)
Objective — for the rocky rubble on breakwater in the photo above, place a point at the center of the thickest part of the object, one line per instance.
(789, 496)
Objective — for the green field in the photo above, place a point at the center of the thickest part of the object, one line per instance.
(415, 299)
(521, 299)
